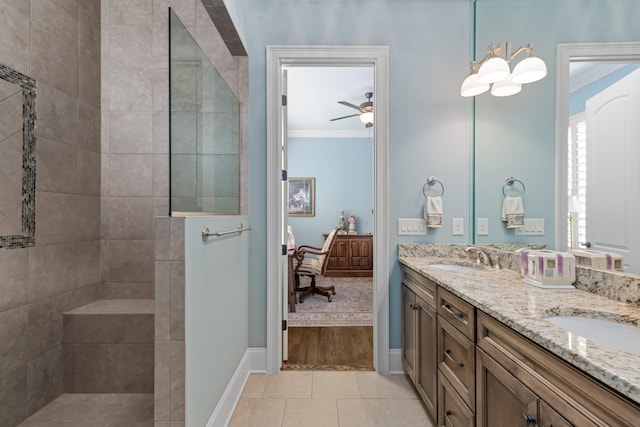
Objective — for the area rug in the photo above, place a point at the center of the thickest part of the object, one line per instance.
(352, 305)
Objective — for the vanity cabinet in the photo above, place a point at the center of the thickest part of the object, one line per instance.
(419, 336)
(517, 381)
(472, 370)
(351, 256)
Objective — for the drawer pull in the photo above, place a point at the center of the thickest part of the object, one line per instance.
(413, 306)
(459, 316)
(447, 354)
(529, 419)
(447, 421)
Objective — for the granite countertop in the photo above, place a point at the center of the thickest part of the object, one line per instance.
(503, 295)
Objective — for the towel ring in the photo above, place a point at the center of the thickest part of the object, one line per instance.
(509, 181)
(431, 181)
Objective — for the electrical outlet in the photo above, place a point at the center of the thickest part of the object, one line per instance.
(412, 227)
(458, 227)
(531, 227)
(483, 227)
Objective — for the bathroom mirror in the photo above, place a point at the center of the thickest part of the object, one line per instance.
(598, 99)
(17, 159)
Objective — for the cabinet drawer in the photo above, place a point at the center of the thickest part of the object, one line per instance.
(452, 410)
(458, 312)
(420, 285)
(456, 359)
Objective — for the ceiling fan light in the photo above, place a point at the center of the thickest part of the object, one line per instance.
(530, 69)
(505, 87)
(471, 86)
(492, 70)
(367, 118)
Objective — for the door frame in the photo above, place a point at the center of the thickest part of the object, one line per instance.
(330, 56)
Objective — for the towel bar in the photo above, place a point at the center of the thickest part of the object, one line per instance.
(206, 233)
(431, 181)
(509, 181)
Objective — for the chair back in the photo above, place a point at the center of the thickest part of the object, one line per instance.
(326, 249)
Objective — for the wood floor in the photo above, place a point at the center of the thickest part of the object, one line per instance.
(341, 348)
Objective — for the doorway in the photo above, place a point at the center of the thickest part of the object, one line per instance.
(279, 57)
(329, 160)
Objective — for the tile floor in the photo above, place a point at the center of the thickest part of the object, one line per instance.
(95, 410)
(328, 399)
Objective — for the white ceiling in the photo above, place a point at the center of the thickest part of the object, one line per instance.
(313, 95)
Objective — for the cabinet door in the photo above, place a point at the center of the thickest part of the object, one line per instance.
(502, 400)
(339, 259)
(409, 332)
(426, 381)
(361, 254)
(548, 417)
(452, 411)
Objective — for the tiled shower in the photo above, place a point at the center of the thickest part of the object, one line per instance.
(101, 69)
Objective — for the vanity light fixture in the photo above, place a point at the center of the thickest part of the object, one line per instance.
(494, 71)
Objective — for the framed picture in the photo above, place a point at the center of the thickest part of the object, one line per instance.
(302, 196)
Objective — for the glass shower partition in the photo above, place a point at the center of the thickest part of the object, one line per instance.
(204, 126)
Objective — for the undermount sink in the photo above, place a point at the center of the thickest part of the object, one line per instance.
(612, 334)
(455, 267)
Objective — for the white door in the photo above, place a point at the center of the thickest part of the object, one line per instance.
(285, 210)
(613, 175)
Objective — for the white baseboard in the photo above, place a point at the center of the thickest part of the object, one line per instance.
(395, 362)
(227, 404)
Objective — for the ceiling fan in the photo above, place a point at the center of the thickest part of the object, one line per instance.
(365, 110)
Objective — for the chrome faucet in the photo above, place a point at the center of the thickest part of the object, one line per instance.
(481, 256)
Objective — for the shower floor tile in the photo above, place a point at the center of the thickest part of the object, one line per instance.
(96, 410)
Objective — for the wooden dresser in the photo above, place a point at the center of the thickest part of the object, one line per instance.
(351, 256)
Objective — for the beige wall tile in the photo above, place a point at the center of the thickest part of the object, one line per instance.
(52, 270)
(162, 300)
(126, 290)
(57, 115)
(21, 6)
(88, 172)
(131, 44)
(177, 299)
(160, 88)
(44, 379)
(161, 175)
(88, 263)
(160, 132)
(162, 381)
(177, 380)
(137, 368)
(55, 64)
(88, 217)
(139, 329)
(57, 166)
(14, 270)
(13, 332)
(14, 33)
(131, 261)
(59, 18)
(13, 395)
(89, 128)
(45, 328)
(130, 175)
(176, 240)
(130, 12)
(131, 131)
(96, 368)
(128, 217)
(89, 44)
(130, 89)
(161, 230)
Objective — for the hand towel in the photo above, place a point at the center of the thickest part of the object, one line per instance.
(513, 211)
(433, 212)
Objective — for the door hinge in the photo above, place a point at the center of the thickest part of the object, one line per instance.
(284, 100)
(284, 325)
(284, 175)
(284, 249)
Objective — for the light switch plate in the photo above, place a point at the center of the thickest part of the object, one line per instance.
(458, 227)
(531, 227)
(483, 227)
(412, 227)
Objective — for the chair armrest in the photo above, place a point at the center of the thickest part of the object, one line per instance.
(310, 247)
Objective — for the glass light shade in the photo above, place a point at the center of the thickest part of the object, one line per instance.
(471, 86)
(493, 70)
(530, 69)
(366, 117)
(505, 87)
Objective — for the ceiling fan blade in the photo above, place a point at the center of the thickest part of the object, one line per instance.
(343, 117)
(348, 104)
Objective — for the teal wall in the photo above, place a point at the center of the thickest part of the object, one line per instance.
(431, 126)
(343, 169)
